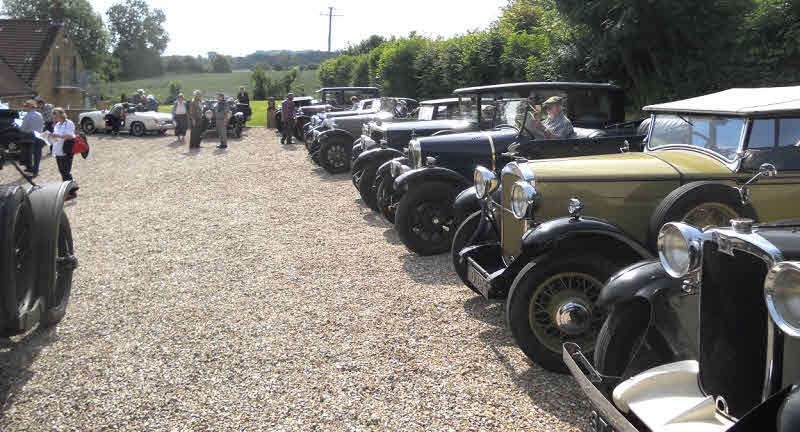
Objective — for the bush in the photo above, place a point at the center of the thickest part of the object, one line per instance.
(259, 81)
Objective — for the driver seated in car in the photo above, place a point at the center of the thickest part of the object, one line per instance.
(401, 109)
(556, 125)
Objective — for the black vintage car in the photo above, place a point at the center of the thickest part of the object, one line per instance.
(37, 258)
(300, 102)
(382, 141)
(240, 115)
(424, 191)
(334, 99)
(704, 339)
(315, 126)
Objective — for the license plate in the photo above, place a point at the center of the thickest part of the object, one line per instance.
(477, 279)
(598, 424)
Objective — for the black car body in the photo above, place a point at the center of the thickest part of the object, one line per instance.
(719, 311)
(315, 125)
(334, 99)
(239, 115)
(37, 258)
(443, 166)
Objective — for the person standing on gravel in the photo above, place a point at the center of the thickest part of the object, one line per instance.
(63, 130)
(195, 117)
(180, 115)
(288, 114)
(221, 117)
(33, 122)
(243, 97)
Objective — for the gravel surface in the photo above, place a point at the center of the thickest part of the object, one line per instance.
(249, 290)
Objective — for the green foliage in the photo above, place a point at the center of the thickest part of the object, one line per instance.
(175, 87)
(259, 81)
(220, 64)
(365, 46)
(396, 73)
(138, 37)
(84, 25)
(360, 75)
(337, 72)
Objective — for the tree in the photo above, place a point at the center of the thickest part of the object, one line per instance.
(220, 64)
(365, 46)
(83, 25)
(138, 37)
(360, 76)
(192, 64)
(259, 81)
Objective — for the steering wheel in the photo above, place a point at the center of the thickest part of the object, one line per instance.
(507, 126)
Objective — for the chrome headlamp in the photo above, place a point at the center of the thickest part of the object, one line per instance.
(415, 154)
(365, 129)
(680, 249)
(485, 182)
(396, 169)
(523, 198)
(782, 293)
(209, 115)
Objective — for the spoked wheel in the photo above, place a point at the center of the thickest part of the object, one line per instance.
(356, 177)
(424, 218)
(17, 256)
(334, 157)
(552, 302)
(367, 185)
(710, 214)
(385, 197)
(58, 297)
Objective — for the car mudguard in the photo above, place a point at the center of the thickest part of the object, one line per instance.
(466, 203)
(779, 413)
(386, 166)
(428, 174)
(334, 134)
(375, 155)
(642, 279)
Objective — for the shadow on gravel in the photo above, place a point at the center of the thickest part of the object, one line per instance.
(430, 270)
(220, 151)
(16, 360)
(328, 177)
(372, 218)
(191, 153)
(391, 236)
(175, 144)
(293, 147)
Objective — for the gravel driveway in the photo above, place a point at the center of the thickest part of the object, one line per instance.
(249, 290)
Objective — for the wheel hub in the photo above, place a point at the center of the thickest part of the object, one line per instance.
(573, 317)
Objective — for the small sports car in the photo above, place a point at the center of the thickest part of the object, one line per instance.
(137, 123)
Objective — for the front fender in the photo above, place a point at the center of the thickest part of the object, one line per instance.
(386, 166)
(642, 279)
(378, 155)
(335, 134)
(560, 232)
(428, 174)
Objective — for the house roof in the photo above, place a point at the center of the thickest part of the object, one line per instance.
(737, 102)
(10, 84)
(24, 44)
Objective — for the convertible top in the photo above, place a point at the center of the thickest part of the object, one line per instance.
(737, 102)
(540, 85)
(440, 101)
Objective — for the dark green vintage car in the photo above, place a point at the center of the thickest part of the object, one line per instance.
(559, 228)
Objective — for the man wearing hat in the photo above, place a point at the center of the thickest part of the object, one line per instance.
(556, 125)
(33, 122)
(288, 115)
(138, 97)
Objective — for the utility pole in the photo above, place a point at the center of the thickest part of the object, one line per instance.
(330, 15)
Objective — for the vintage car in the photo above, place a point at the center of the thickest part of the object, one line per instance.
(382, 141)
(332, 143)
(531, 244)
(711, 346)
(335, 99)
(240, 114)
(440, 167)
(300, 102)
(137, 123)
(37, 258)
(313, 127)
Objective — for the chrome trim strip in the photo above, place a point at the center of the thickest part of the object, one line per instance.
(494, 152)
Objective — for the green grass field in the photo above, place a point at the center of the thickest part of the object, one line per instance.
(259, 108)
(207, 83)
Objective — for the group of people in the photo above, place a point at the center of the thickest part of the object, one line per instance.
(188, 115)
(41, 117)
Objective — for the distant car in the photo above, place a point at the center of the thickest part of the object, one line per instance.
(240, 114)
(300, 102)
(333, 99)
(137, 123)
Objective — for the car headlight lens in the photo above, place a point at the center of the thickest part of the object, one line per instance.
(485, 182)
(209, 115)
(523, 197)
(679, 248)
(782, 292)
(395, 168)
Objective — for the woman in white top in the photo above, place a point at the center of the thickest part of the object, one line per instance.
(180, 115)
(63, 130)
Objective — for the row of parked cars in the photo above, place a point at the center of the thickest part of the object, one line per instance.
(655, 260)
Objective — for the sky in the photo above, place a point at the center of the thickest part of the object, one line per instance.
(240, 27)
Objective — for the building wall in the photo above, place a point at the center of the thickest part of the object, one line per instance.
(66, 94)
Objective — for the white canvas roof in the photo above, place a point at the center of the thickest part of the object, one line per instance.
(737, 102)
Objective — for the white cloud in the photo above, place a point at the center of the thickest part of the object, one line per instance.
(240, 27)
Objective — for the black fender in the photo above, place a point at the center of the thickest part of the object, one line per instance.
(642, 279)
(565, 232)
(335, 134)
(378, 155)
(466, 203)
(428, 174)
(779, 413)
(386, 166)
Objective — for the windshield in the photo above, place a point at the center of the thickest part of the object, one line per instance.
(425, 112)
(469, 107)
(717, 134)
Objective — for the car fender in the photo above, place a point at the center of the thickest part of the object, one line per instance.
(386, 166)
(428, 174)
(379, 155)
(335, 134)
(466, 203)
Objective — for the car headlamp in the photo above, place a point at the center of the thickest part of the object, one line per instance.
(485, 182)
(209, 115)
(395, 168)
(782, 293)
(415, 153)
(523, 197)
(679, 248)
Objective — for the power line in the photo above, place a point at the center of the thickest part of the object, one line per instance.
(330, 15)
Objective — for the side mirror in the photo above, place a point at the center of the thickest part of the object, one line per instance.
(625, 147)
(765, 170)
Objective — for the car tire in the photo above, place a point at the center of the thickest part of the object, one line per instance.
(58, 297)
(424, 218)
(688, 202)
(334, 156)
(18, 258)
(384, 197)
(535, 287)
(367, 187)
(464, 233)
(88, 127)
(620, 337)
(237, 131)
(138, 129)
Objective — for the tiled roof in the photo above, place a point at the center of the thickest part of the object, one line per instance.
(24, 45)
(11, 84)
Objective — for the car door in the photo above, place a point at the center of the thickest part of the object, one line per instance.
(775, 141)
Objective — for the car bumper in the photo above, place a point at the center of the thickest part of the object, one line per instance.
(485, 269)
(165, 126)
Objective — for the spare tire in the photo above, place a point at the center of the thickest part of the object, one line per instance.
(57, 298)
(700, 204)
(17, 259)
